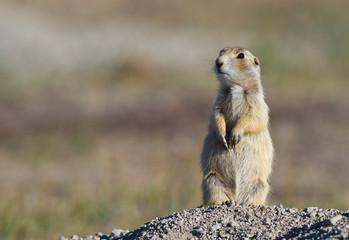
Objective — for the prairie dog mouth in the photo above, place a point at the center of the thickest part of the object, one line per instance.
(219, 70)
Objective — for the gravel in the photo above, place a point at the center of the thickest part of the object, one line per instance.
(229, 221)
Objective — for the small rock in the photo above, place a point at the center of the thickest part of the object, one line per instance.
(63, 238)
(74, 237)
(232, 224)
(267, 221)
(344, 235)
(223, 234)
(292, 210)
(312, 214)
(215, 227)
(179, 222)
(116, 232)
(263, 208)
(335, 219)
(89, 237)
(163, 221)
(198, 232)
(310, 209)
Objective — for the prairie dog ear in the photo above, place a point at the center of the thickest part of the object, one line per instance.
(256, 61)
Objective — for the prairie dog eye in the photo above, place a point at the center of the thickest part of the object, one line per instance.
(240, 56)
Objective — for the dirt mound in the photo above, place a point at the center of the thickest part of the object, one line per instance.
(241, 222)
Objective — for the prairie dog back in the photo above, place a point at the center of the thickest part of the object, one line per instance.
(237, 155)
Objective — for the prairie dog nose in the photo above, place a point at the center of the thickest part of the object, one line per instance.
(219, 62)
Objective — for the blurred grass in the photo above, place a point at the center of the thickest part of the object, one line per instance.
(117, 144)
(95, 191)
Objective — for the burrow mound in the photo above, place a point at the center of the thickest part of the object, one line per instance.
(230, 221)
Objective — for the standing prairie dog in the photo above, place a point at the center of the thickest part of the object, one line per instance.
(237, 155)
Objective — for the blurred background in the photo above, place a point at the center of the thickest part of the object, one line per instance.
(104, 106)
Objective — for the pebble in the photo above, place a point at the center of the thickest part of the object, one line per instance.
(267, 221)
(313, 214)
(232, 224)
(215, 227)
(74, 237)
(198, 232)
(310, 209)
(335, 219)
(223, 234)
(163, 221)
(116, 232)
(292, 210)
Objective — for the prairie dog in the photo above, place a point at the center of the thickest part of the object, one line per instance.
(237, 155)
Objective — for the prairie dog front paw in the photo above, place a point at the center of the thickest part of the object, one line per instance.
(236, 136)
(222, 140)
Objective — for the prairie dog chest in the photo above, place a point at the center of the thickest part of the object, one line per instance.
(238, 93)
(238, 99)
(235, 103)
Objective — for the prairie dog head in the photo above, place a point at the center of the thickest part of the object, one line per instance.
(234, 65)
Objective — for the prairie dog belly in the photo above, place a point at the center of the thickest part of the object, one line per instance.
(253, 161)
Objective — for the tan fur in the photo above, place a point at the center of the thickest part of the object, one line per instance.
(237, 155)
